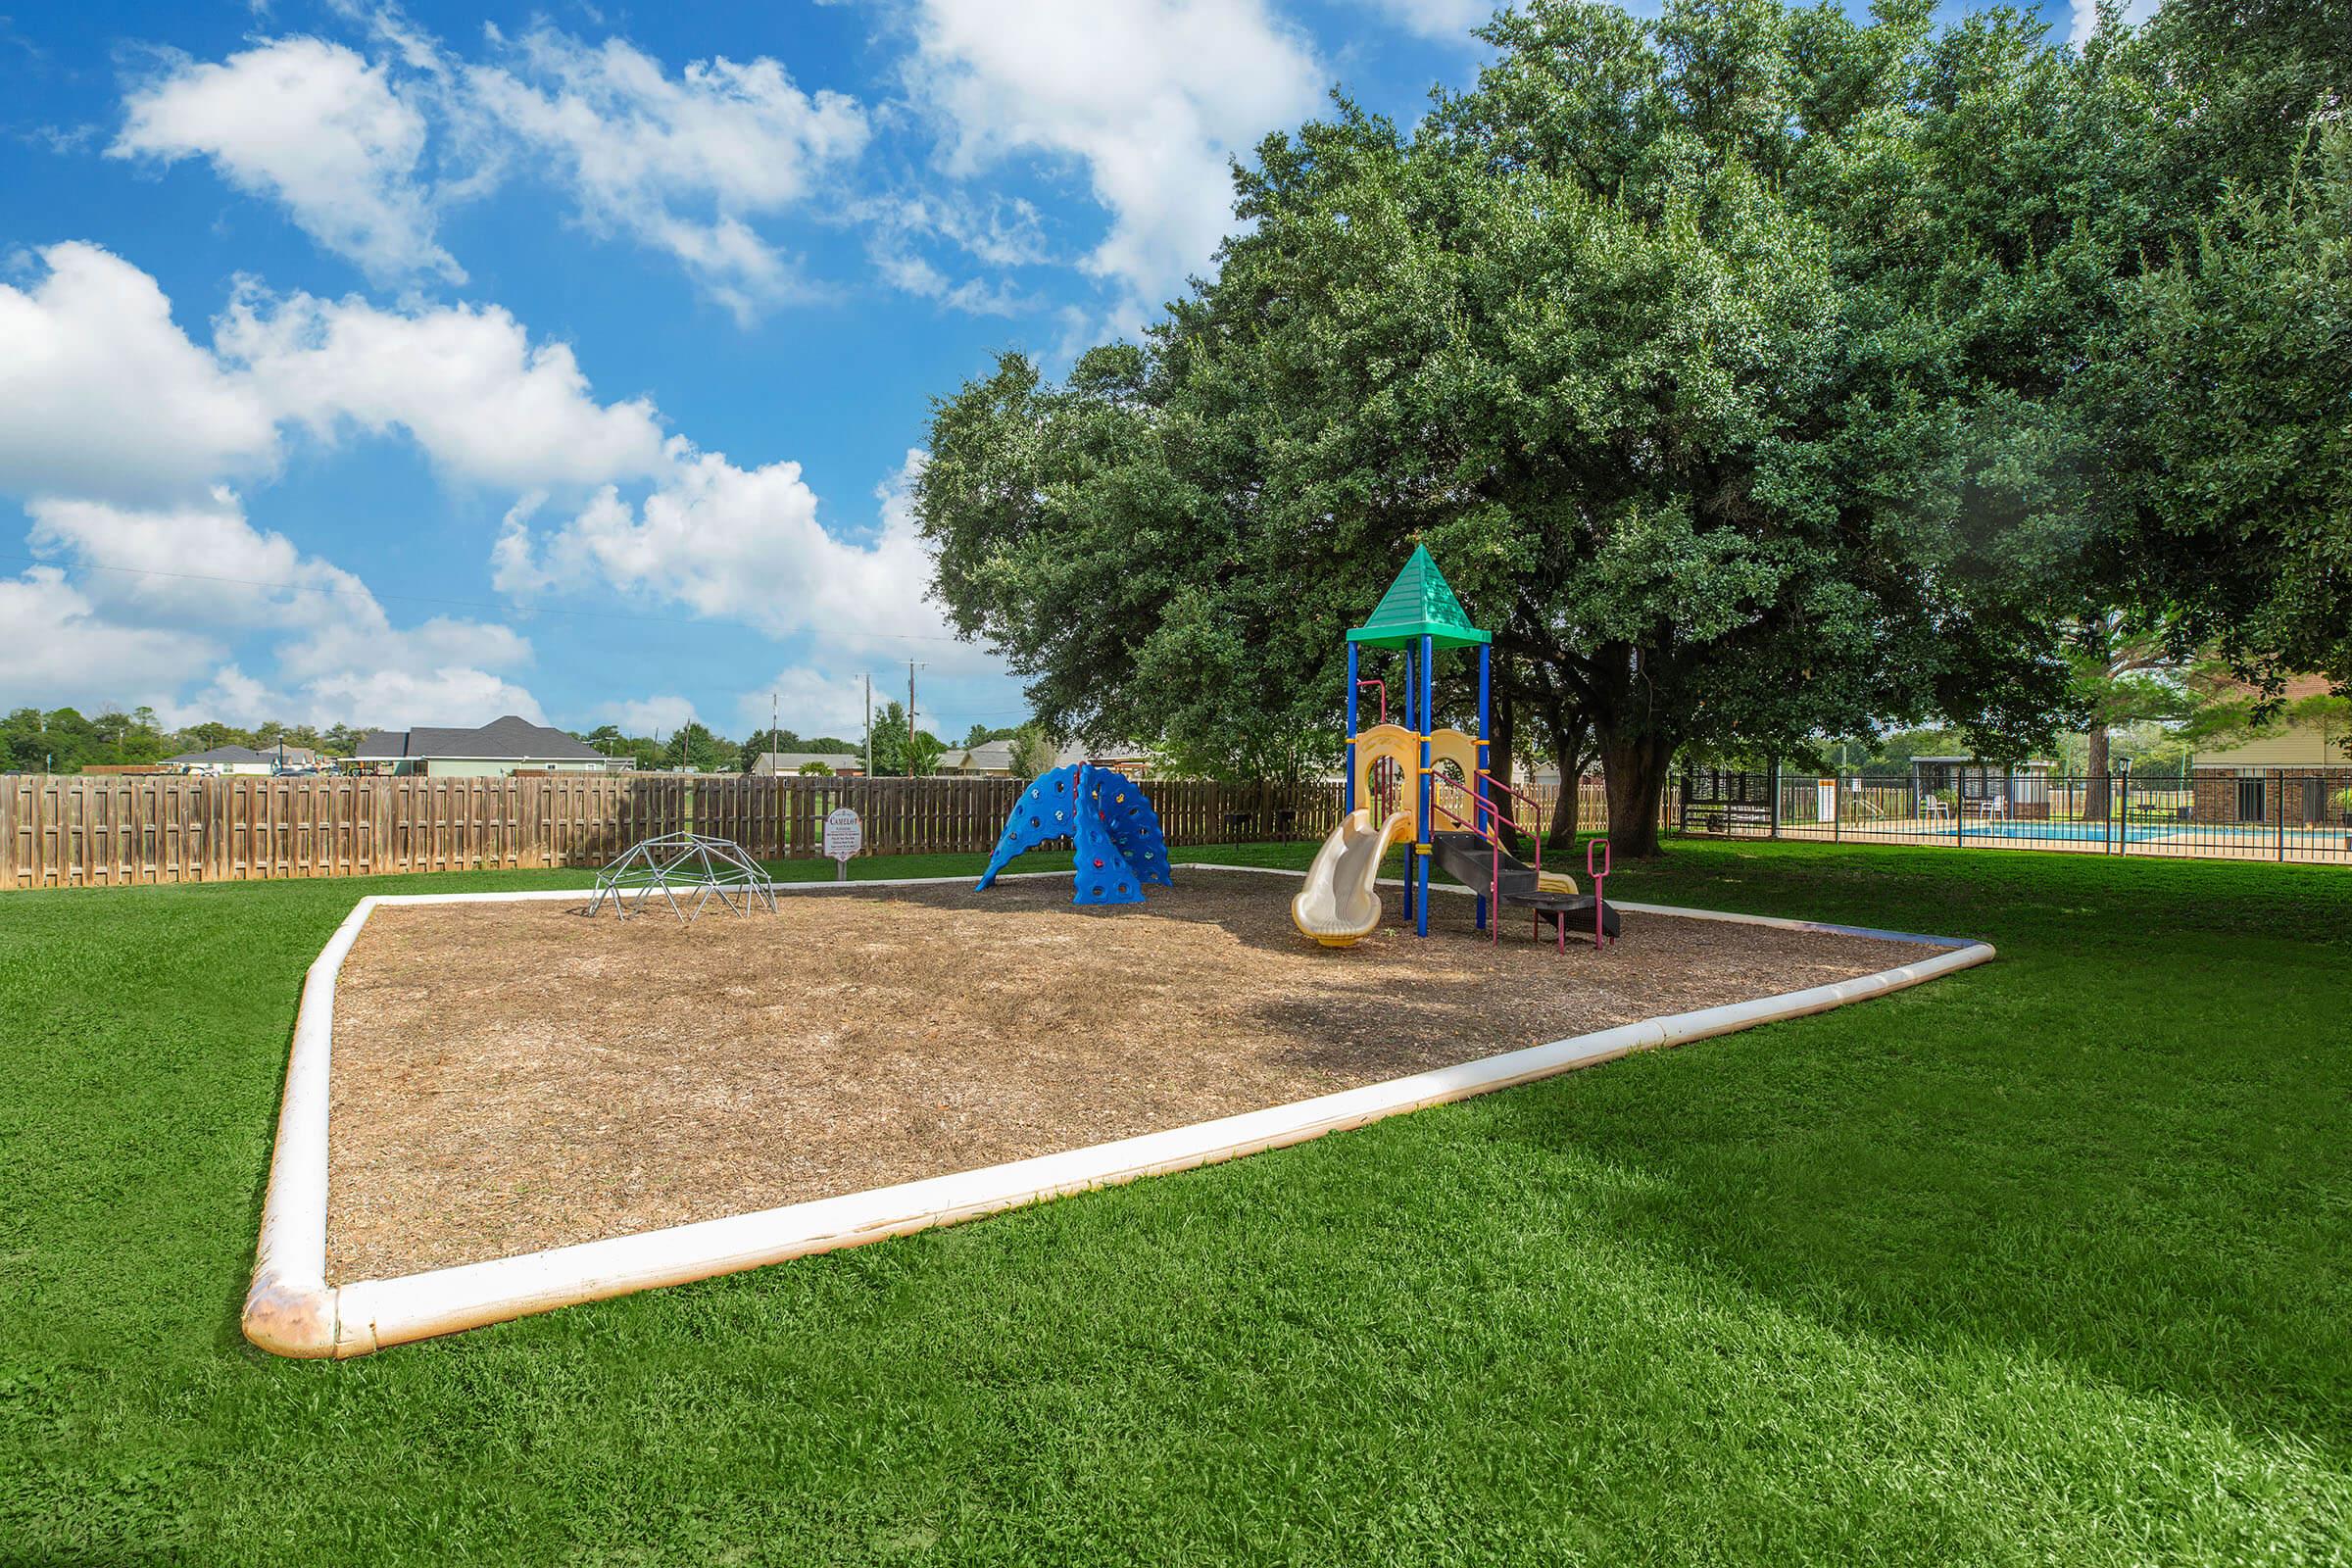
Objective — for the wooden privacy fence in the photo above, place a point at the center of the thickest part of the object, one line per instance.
(88, 831)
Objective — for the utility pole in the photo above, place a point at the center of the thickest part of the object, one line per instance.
(771, 733)
(869, 726)
(911, 668)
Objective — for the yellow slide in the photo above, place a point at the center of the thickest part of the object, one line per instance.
(1340, 904)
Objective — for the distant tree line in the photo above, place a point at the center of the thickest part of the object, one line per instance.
(63, 740)
(896, 754)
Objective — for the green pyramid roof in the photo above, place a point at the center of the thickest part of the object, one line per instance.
(1419, 604)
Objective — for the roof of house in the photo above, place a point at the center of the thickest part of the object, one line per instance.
(794, 762)
(1419, 604)
(2293, 689)
(511, 738)
(987, 757)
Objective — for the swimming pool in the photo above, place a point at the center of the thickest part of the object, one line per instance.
(2074, 832)
(2215, 834)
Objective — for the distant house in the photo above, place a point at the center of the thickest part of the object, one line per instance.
(1125, 757)
(988, 760)
(994, 760)
(2291, 772)
(2286, 741)
(226, 759)
(769, 765)
(503, 746)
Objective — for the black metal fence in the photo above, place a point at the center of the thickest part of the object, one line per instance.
(2255, 813)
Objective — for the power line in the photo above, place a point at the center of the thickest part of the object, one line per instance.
(427, 599)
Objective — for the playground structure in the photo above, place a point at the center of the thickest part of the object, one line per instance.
(1396, 789)
(1117, 845)
(688, 863)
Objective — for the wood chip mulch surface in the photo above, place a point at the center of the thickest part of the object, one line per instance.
(515, 1076)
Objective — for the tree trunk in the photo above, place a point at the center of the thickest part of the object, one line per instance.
(1563, 810)
(1568, 758)
(1636, 767)
(2096, 763)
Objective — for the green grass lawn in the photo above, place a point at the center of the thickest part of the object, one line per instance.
(2049, 1261)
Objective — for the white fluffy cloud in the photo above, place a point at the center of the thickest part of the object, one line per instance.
(682, 162)
(678, 162)
(199, 565)
(744, 543)
(62, 649)
(106, 398)
(158, 541)
(488, 406)
(1151, 98)
(811, 701)
(312, 124)
(197, 575)
(658, 715)
(105, 395)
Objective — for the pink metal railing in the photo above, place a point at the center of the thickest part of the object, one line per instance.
(1493, 838)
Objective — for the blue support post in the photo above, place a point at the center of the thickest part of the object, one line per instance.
(1348, 786)
(1482, 812)
(1420, 872)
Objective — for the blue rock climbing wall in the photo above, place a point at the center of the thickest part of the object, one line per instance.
(1106, 817)
(1133, 826)
(1046, 811)
(1103, 874)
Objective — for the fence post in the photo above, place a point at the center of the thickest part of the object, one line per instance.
(2278, 806)
(1775, 796)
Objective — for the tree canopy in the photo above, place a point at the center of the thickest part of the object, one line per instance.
(1754, 373)
(901, 750)
(63, 740)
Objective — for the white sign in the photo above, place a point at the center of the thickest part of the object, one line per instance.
(1825, 800)
(844, 836)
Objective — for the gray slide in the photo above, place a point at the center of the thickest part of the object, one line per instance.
(1470, 860)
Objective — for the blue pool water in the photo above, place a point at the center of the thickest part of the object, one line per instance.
(2080, 832)
(2212, 834)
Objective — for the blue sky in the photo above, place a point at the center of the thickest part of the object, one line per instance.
(416, 364)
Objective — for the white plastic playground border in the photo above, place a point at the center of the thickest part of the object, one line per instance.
(292, 1310)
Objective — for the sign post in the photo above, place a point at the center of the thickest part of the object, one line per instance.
(844, 836)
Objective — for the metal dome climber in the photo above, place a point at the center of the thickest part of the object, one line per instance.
(1106, 816)
(683, 865)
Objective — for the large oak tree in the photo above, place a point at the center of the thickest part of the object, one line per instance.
(1732, 366)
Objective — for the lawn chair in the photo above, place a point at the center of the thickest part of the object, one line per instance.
(1993, 806)
(1932, 808)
